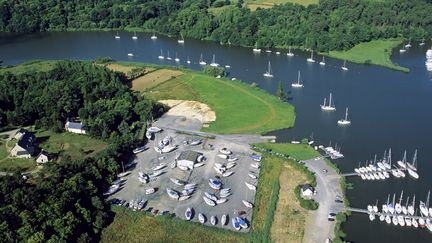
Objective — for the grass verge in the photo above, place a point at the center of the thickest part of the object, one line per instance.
(296, 151)
(376, 52)
(17, 164)
(30, 66)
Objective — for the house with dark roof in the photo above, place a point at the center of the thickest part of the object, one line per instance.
(75, 127)
(307, 191)
(188, 158)
(25, 146)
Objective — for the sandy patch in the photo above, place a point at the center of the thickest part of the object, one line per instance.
(191, 110)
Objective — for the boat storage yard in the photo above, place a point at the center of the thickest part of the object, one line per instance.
(211, 176)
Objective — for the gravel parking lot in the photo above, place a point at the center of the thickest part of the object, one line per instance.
(133, 189)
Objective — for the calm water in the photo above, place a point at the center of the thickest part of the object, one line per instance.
(388, 108)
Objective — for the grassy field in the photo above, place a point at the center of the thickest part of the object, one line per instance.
(69, 144)
(3, 150)
(239, 108)
(290, 218)
(35, 65)
(16, 164)
(376, 52)
(154, 78)
(254, 4)
(297, 151)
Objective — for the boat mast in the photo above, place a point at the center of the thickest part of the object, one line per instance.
(346, 119)
(406, 204)
(404, 158)
(388, 199)
(400, 199)
(427, 200)
(330, 101)
(312, 54)
(414, 162)
(394, 196)
(389, 157)
(413, 202)
(298, 78)
(324, 102)
(269, 68)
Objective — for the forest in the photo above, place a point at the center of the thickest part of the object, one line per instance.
(65, 202)
(331, 25)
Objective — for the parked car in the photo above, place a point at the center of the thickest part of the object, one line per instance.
(331, 217)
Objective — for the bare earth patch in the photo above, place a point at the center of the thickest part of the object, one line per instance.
(190, 110)
(290, 219)
(154, 78)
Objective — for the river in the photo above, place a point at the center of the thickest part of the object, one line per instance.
(387, 108)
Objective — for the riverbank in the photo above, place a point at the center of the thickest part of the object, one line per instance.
(377, 52)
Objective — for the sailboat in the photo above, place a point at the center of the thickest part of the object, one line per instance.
(117, 36)
(403, 50)
(387, 163)
(344, 66)
(402, 163)
(201, 61)
(188, 61)
(134, 37)
(130, 54)
(297, 84)
(345, 121)
(411, 207)
(168, 56)
(390, 207)
(412, 169)
(268, 73)
(161, 56)
(330, 106)
(424, 206)
(213, 63)
(311, 58)
(385, 206)
(256, 49)
(322, 63)
(153, 37)
(290, 54)
(422, 43)
(181, 40)
(409, 44)
(398, 206)
(177, 59)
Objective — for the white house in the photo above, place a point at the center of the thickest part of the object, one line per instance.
(43, 157)
(307, 191)
(75, 127)
(188, 159)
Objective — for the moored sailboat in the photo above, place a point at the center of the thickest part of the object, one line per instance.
(330, 106)
(310, 59)
(201, 61)
(268, 73)
(297, 84)
(345, 121)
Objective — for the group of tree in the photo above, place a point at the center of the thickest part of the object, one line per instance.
(65, 202)
(330, 25)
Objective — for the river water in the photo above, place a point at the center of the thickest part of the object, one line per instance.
(388, 108)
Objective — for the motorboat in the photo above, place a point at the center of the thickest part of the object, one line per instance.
(235, 224)
(201, 218)
(210, 196)
(228, 173)
(247, 204)
(188, 214)
(172, 194)
(150, 190)
(330, 106)
(159, 167)
(221, 201)
(297, 84)
(344, 121)
(209, 201)
(250, 186)
(268, 73)
(177, 181)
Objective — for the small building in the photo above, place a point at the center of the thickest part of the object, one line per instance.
(24, 148)
(188, 158)
(307, 191)
(43, 157)
(20, 133)
(75, 127)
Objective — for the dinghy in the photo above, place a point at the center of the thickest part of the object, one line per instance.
(188, 214)
(201, 218)
(224, 219)
(213, 220)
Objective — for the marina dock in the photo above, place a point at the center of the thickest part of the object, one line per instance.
(360, 210)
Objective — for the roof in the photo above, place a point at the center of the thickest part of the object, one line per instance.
(75, 125)
(189, 155)
(27, 140)
(22, 131)
(306, 187)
